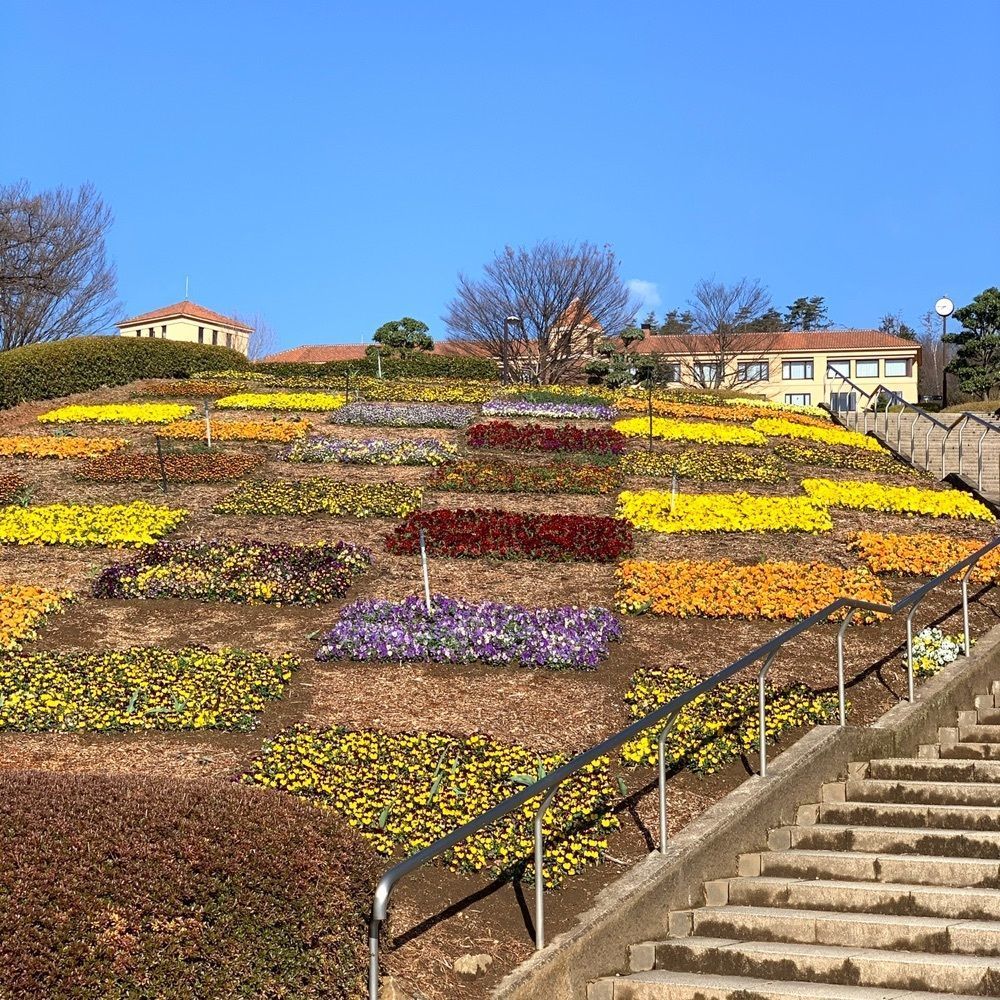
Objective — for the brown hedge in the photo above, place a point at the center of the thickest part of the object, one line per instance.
(121, 887)
(186, 467)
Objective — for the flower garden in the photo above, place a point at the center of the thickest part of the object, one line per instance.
(578, 575)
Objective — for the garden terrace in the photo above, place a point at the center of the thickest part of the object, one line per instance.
(505, 436)
(190, 467)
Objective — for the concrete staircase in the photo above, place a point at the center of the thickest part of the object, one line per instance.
(887, 887)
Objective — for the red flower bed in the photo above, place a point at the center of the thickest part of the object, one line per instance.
(534, 437)
(506, 535)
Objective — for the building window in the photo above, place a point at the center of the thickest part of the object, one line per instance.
(841, 368)
(215, 338)
(866, 369)
(163, 330)
(752, 371)
(152, 332)
(201, 335)
(229, 339)
(798, 398)
(796, 369)
(138, 333)
(843, 402)
(672, 371)
(706, 373)
(897, 367)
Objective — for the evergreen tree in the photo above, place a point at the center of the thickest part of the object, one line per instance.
(807, 313)
(404, 335)
(977, 360)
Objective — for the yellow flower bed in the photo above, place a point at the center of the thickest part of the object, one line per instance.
(859, 495)
(404, 791)
(118, 413)
(265, 497)
(438, 390)
(22, 609)
(714, 464)
(139, 688)
(683, 430)
(743, 411)
(314, 401)
(651, 510)
(719, 726)
(137, 523)
(723, 589)
(281, 431)
(53, 446)
(773, 404)
(776, 427)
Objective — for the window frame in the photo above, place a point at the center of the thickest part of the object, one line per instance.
(672, 371)
(741, 371)
(697, 370)
(858, 362)
(905, 362)
(808, 365)
(832, 365)
(805, 398)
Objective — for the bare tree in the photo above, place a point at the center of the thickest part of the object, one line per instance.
(55, 279)
(730, 334)
(565, 295)
(262, 339)
(933, 355)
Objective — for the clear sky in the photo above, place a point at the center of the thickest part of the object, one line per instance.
(335, 165)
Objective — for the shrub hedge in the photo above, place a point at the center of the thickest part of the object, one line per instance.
(82, 364)
(420, 365)
(118, 887)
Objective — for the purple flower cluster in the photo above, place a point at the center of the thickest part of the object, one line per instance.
(403, 415)
(375, 451)
(463, 632)
(549, 411)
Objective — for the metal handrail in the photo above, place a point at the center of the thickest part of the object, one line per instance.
(667, 714)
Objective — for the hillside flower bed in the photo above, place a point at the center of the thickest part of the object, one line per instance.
(190, 388)
(279, 431)
(859, 495)
(776, 427)
(657, 510)
(375, 451)
(118, 413)
(57, 446)
(314, 401)
(190, 467)
(505, 436)
(143, 687)
(463, 632)
(437, 390)
(932, 650)
(922, 554)
(22, 610)
(507, 535)
(742, 411)
(591, 395)
(717, 727)
(547, 411)
(723, 589)
(710, 464)
(504, 477)
(785, 409)
(12, 489)
(245, 572)
(841, 457)
(123, 524)
(405, 791)
(681, 430)
(322, 496)
(404, 415)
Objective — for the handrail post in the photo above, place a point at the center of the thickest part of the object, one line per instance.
(661, 760)
(540, 872)
(979, 460)
(841, 685)
(927, 450)
(910, 697)
(762, 711)
(373, 930)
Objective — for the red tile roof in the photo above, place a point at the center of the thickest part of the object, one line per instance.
(318, 353)
(783, 342)
(188, 310)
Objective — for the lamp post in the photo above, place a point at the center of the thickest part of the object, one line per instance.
(505, 345)
(944, 307)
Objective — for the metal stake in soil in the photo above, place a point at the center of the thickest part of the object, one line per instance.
(427, 578)
(208, 423)
(163, 467)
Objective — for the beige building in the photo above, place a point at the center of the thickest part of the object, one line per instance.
(189, 322)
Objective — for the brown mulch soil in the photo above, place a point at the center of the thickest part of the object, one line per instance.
(438, 915)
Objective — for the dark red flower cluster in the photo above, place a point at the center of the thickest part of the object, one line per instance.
(11, 488)
(534, 437)
(508, 535)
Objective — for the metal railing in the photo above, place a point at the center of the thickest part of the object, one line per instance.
(667, 715)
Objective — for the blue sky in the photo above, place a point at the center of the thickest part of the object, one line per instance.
(332, 166)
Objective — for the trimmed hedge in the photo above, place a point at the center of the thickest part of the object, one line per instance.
(82, 364)
(117, 887)
(420, 365)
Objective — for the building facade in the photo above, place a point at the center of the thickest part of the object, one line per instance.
(190, 322)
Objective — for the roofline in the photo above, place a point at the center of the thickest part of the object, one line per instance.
(145, 317)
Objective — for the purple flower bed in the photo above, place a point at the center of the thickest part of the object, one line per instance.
(550, 411)
(462, 632)
(403, 415)
(375, 451)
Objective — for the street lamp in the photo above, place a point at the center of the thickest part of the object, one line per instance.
(505, 345)
(944, 307)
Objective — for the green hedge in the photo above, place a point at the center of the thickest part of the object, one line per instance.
(81, 364)
(418, 366)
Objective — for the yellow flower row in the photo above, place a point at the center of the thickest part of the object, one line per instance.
(137, 523)
(322, 496)
(118, 413)
(683, 430)
(53, 446)
(22, 609)
(282, 431)
(314, 401)
(713, 464)
(859, 495)
(658, 510)
(776, 427)
(438, 390)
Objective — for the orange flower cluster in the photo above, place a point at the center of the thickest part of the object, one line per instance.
(736, 413)
(922, 554)
(57, 446)
(238, 430)
(21, 611)
(724, 589)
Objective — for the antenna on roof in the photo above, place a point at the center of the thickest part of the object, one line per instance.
(186, 280)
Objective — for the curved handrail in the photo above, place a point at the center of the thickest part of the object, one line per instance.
(548, 785)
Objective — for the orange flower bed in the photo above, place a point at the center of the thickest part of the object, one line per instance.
(724, 589)
(923, 554)
(281, 431)
(733, 414)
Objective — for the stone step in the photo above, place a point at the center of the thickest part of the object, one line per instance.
(971, 793)
(665, 984)
(890, 932)
(854, 966)
(886, 898)
(988, 717)
(912, 769)
(979, 734)
(970, 751)
(871, 866)
(888, 840)
(918, 815)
